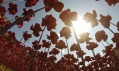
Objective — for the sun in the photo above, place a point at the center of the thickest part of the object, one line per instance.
(81, 26)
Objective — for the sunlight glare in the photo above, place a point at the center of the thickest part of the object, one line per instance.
(63, 51)
(81, 26)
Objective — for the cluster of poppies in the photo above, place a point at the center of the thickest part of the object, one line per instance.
(19, 57)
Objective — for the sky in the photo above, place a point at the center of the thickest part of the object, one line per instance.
(79, 6)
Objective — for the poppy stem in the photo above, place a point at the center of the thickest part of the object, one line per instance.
(48, 50)
(67, 46)
(102, 44)
(113, 24)
(78, 58)
(68, 55)
(95, 58)
(107, 42)
(84, 67)
(93, 54)
(24, 42)
(42, 34)
(111, 30)
(21, 39)
(61, 53)
(17, 21)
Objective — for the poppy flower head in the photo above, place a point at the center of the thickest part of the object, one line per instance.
(75, 47)
(108, 50)
(20, 24)
(36, 45)
(2, 21)
(26, 12)
(87, 58)
(11, 34)
(26, 35)
(91, 45)
(115, 38)
(12, 8)
(55, 4)
(36, 29)
(65, 32)
(84, 37)
(49, 21)
(53, 37)
(103, 36)
(46, 44)
(118, 26)
(52, 58)
(54, 51)
(30, 3)
(80, 53)
(2, 11)
(91, 17)
(1, 1)
(112, 2)
(61, 44)
(67, 17)
(105, 20)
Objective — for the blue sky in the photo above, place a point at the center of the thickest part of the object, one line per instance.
(79, 6)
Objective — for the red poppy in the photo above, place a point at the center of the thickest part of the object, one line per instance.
(87, 58)
(75, 47)
(65, 32)
(118, 26)
(2, 21)
(36, 45)
(98, 56)
(112, 2)
(49, 21)
(103, 36)
(53, 37)
(67, 16)
(12, 8)
(52, 58)
(91, 45)
(49, 4)
(73, 59)
(12, 34)
(1, 1)
(116, 37)
(26, 35)
(26, 12)
(88, 17)
(2, 10)
(30, 50)
(36, 29)
(105, 20)
(30, 3)
(61, 44)
(84, 37)
(108, 50)
(80, 53)
(46, 44)
(20, 24)
(70, 57)
(54, 51)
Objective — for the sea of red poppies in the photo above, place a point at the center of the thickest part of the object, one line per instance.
(15, 55)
